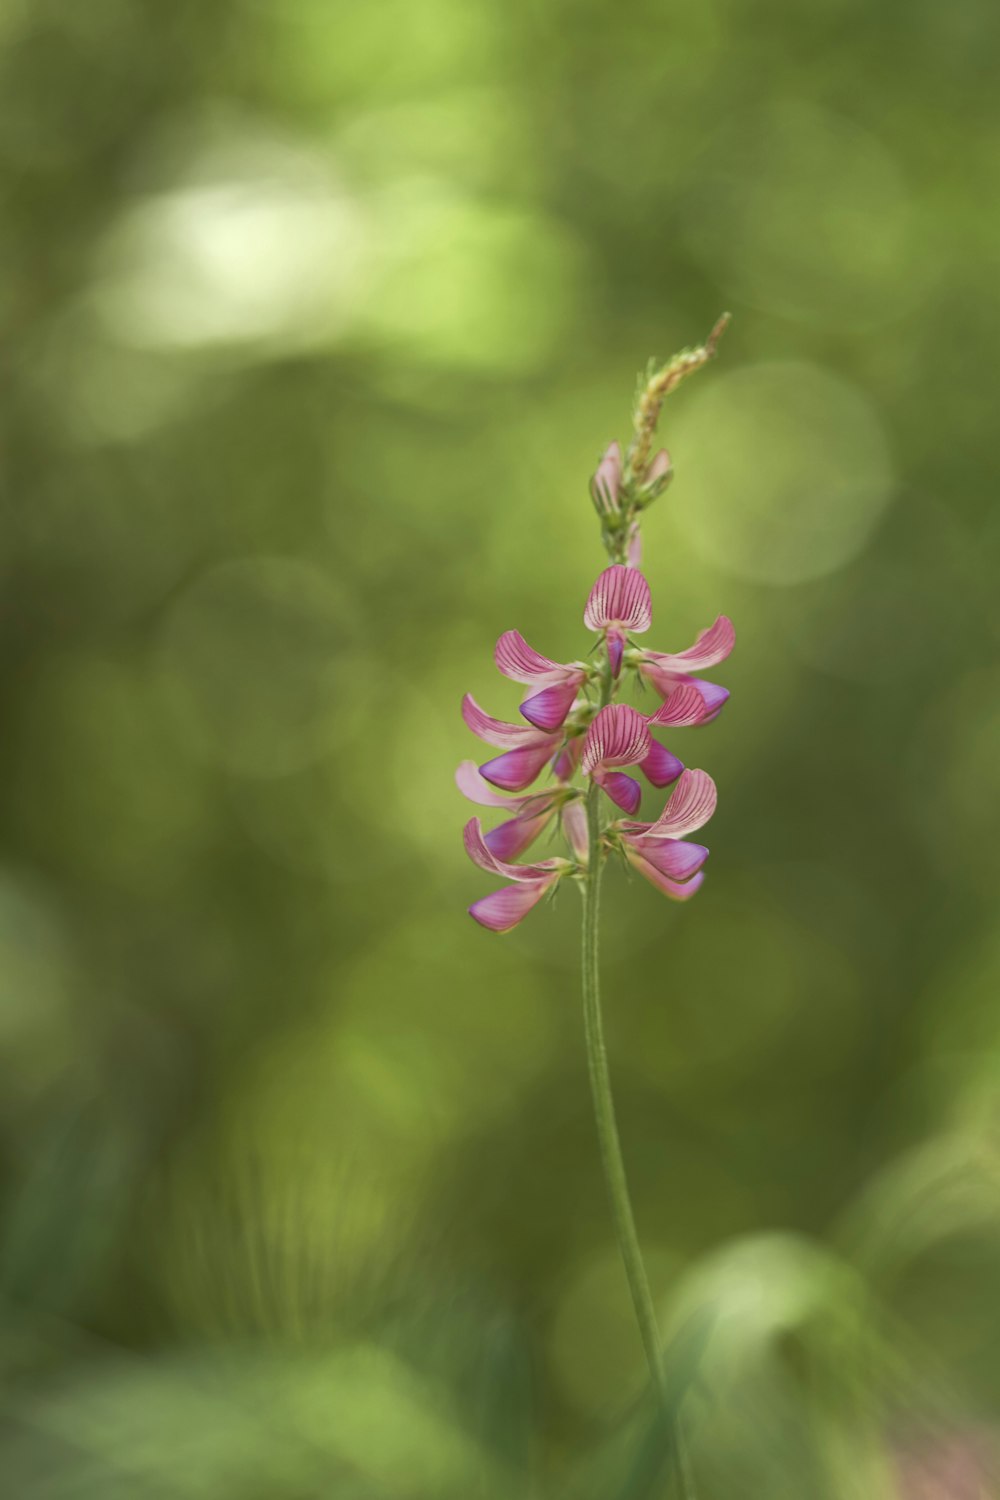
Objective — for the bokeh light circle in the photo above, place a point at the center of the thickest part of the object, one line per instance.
(803, 213)
(784, 472)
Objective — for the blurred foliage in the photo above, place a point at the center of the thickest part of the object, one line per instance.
(315, 320)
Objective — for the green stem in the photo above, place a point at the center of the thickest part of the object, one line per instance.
(604, 1108)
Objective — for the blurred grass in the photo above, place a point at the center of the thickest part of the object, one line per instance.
(315, 321)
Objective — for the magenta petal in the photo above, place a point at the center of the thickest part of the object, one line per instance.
(689, 807)
(674, 858)
(548, 709)
(510, 839)
(660, 767)
(568, 759)
(607, 480)
(618, 736)
(616, 650)
(517, 769)
(684, 707)
(495, 731)
(623, 790)
(503, 909)
(619, 597)
(677, 890)
(712, 646)
(521, 662)
(713, 695)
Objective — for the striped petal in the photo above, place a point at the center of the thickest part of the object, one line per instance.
(712, 646)
(547, 709)
(478, 789)
(482, 855)
(684, 707)
(689, 806)
(618, 736)
(623, 790)
(619, 597)
(660, 767)
(503, 909)
(517, 769)
(521, 662)
(607, 480)
(495, 731)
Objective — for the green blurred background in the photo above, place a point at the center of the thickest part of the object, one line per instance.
(316, 319)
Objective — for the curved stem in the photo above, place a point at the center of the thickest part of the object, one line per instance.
(604, 1108)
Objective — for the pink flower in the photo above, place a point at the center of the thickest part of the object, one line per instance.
(532, 812)
(555, 683)
(606, 483)
(526, 749)
(619, 602)
(665, 671)
(659, 850)
(618, 736)
(503, 909)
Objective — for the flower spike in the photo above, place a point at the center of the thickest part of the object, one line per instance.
(575, 726)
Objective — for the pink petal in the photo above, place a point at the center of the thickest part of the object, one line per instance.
(547, 709)
(684, 707)
(619, 597)
(607, 480)
(659, 469)
(618, 736)
(633, 546)
(660, 767)
(676, 890)
(521, 662)
(503, 909)
(510, 839)
(712, 646)
(675, 858)
(473, 786)
(516, 769)
(625, 792)
(568, 759)
(495, 731)
(574, 822)
(480, 853)
(689, 806)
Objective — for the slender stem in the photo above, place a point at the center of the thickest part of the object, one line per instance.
(604, 1108)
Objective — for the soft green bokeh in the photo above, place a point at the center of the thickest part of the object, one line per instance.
(316, 319)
